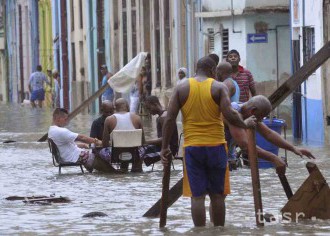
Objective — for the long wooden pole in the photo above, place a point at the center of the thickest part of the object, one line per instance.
(81, 107)
(286, 186)
(165, 192)
(253, 158)
(173, 195)
(300, 76)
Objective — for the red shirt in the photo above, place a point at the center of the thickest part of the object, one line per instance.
(245, 82)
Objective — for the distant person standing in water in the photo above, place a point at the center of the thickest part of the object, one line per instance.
(109, 93)
(57, 88)
(36, 87)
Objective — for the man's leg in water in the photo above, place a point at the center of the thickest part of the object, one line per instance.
(198, 210)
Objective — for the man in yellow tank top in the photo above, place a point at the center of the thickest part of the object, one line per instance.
(202, 100)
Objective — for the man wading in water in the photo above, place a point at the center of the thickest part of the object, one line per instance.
(201, 100)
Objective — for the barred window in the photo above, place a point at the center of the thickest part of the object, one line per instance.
(210, 31)
(225, 42)
(308, 43)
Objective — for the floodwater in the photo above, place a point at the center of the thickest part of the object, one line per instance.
(27, 170)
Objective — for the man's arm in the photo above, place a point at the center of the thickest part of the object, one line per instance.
(231, 115)
(277, 140)
(88, 140)
(240, 137)
(157, 141)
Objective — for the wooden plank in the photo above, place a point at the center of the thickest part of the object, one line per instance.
(174, 194)
(48, 199)
(165, 192)
(253, 158)
(312, 199)
(300, 76)
(286, 186)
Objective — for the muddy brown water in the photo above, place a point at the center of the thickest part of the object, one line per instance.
(26, 169)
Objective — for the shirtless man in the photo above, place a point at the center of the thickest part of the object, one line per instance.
(107, 109)
(223, 74)
(201, 100)
(259, 106)
(152, 150)
(122, 119)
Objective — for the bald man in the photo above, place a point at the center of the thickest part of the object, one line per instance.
(202, 100)
(122, 119)
(223, 74)
(259, 106)
(107, 109)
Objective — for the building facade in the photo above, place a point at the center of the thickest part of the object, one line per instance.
(310, 30)
(252, 27)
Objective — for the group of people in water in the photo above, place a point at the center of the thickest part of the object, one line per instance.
(215, 116)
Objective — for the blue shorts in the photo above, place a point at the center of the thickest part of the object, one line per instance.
(206, 169)
(38, 95)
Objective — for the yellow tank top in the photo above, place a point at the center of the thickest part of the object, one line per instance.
(202, 122)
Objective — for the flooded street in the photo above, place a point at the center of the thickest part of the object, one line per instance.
(27, 170)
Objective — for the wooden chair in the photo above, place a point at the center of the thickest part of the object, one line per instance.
(57, 159)
(125, 147)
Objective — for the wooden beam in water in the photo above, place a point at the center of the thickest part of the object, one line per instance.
(165, 193)
(174, 194)
(300, 76)
(312, 199)
(253, 158)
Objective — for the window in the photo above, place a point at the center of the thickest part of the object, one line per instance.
(308, 43)
(210, 31)
(225, 43)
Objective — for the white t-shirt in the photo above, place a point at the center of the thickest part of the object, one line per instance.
(64, 140)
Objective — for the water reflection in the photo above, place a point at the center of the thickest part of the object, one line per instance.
(26, 170)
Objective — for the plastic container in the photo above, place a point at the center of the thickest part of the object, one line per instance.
(276, 125)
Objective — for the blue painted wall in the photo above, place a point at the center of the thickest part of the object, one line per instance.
(313, 127)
